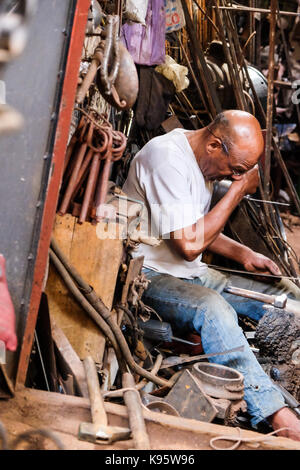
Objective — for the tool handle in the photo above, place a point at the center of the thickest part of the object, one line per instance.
(96, 400)
(269, 299)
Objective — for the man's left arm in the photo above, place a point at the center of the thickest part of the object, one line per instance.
(252, 261)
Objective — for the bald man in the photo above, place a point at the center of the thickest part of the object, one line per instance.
(173, 175)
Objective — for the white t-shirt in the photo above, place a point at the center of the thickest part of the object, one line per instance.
(165, 176)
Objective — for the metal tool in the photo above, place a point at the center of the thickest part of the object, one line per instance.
(249, 273)
(176, 361)
(93, 141)
(98, 432)
(278, 301)
(161, 331)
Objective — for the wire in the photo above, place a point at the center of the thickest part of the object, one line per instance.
(239, 439)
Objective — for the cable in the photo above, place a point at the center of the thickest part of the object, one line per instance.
(94, 306)
(238, 439)
(93, 314)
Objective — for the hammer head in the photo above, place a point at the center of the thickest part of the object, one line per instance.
(101, 434)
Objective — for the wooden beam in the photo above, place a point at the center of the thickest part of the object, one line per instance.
(61, 412)
(70, 358)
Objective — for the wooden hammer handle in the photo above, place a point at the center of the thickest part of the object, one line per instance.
(96, 400)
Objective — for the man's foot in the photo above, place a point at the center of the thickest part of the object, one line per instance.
(285, 418)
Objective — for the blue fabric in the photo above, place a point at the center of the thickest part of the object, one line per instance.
(201, 304)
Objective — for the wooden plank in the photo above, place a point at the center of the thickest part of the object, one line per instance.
(71, 359)
(90, 253)
(84, 336)
(92, 256)
(62, 413)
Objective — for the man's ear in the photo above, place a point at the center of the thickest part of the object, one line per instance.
(213, 145)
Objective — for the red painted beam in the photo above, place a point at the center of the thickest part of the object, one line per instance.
(56, 172)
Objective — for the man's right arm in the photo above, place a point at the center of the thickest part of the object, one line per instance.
(191, 241)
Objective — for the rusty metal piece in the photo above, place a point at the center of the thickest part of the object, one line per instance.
(83, 172)
(112, 154)
(270, 110)
(111, 48)
(78, 159)
(90, 187)
(125, 90)
(190, 400)
(73, 142)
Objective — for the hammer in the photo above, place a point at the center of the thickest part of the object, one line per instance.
(278, 301)
(98, 431)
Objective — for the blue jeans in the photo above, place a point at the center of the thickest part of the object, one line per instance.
(201, 304)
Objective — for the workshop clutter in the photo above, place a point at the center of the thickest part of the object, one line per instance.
(91, 144)
(149, 67)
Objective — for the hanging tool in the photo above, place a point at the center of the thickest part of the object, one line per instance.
(98, 432)
(278, 301)
(94, 140)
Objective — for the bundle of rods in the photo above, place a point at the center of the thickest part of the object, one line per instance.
(85, 179)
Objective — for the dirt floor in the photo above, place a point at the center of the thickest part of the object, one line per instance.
(292, 229)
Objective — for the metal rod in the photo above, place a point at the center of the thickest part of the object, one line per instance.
(288, 61)
(262, 113)
(249, 273)
(230, 59)
(265, 201)
(198, 56)
(258, 10)
(270, 99)
(42, 362)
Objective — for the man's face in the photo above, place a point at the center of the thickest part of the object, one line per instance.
(221, 163)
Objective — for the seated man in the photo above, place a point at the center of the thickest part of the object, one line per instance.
(173, 175)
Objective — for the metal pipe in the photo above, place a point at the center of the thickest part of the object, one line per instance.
(98, 311)
(89, 188)
(106, 330)
(270, 99)
(71, 185)
(258, 10)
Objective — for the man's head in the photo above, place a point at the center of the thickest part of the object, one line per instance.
(231, 145)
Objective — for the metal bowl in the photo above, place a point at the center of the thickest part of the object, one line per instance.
(219, 381)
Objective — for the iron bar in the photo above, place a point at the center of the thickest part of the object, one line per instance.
(253, 10)
(198, 57)
(270, 99)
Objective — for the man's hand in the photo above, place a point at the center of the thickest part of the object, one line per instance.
(255, 262)
(247, 182)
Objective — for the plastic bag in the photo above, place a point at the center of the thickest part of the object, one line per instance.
(174, 72)
(174, 15)
(136, 10)
(146, 44)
